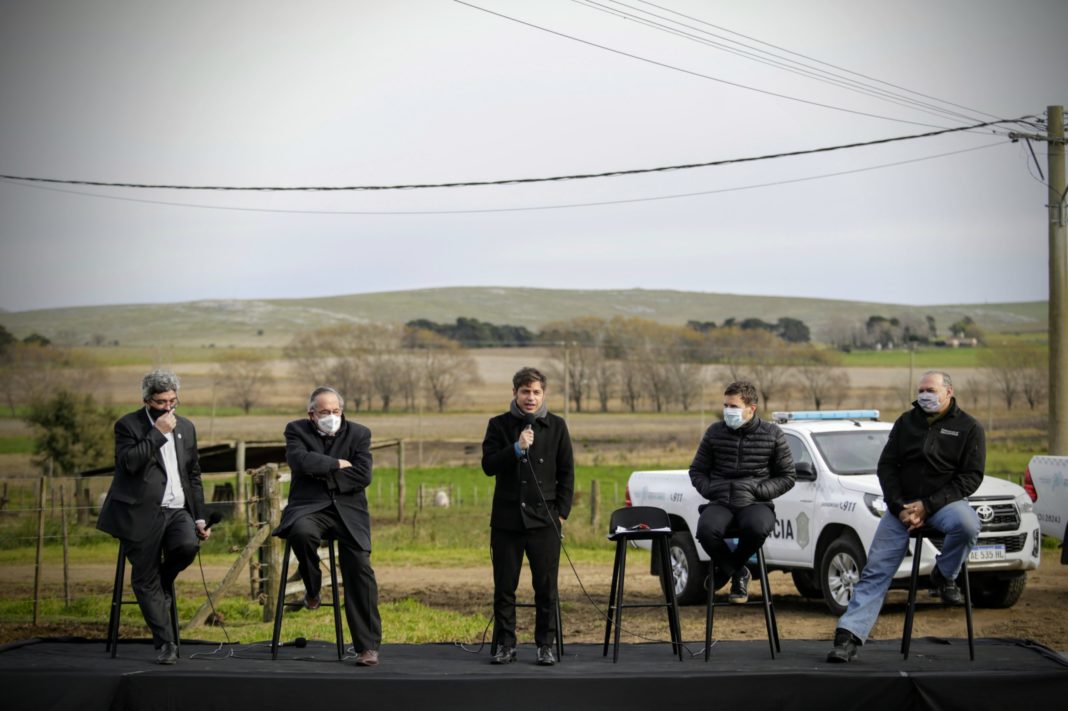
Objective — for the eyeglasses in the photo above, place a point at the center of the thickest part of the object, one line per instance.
(155, 402)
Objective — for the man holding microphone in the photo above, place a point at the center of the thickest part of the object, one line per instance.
(528, 451)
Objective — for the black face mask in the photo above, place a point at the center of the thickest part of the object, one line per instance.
(156, 414)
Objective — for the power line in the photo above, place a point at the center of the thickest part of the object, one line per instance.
(813, 59)
(777, 61)
(601, 203)
(508, 181)
(692, 72)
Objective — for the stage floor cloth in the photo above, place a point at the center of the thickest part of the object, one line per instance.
(78, 674)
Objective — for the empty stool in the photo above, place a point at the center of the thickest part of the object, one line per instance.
(117, 602)
(765, 593)
(559, 631)
(334, 603)
(906, 638)
(634, 524)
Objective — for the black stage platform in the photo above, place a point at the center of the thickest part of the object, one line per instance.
(77, 674)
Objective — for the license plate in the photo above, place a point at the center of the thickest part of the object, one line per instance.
(981, 554)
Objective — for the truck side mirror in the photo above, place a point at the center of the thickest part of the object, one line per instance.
(805, 471)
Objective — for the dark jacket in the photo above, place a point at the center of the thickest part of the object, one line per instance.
(319, 483)
(740, 467)
(936, 463)
(517, 505)
(131, 510)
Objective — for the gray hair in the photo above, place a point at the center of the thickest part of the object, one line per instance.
(319, 391)
(946, 380)
(158, 381)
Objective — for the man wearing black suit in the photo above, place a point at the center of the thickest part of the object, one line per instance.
(155, 505)
(528, 450)
(330, 458)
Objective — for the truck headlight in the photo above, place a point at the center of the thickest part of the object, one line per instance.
(875, 504)
(1024, 503)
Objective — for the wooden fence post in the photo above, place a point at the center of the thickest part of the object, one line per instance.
(40, 546)
(241, 483)
(400, 481)
(595, 503)
(273, 563)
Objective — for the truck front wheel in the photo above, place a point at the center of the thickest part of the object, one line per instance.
(687, 570)
(999, 590)
(840, 569)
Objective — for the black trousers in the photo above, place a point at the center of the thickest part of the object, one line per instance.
(542, 548)
(755, 522)
(154, 564)
(361, 588)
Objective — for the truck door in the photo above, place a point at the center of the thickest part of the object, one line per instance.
(793, 539)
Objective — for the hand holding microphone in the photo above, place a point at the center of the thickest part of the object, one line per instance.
(526, 437)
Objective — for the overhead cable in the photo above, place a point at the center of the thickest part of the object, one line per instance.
(506, 181)
(601, 203)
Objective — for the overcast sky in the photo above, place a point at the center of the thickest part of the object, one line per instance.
(386, 92)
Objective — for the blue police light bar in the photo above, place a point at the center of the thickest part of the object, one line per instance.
(825, 415)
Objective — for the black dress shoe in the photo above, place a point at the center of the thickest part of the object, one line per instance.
(945, 588)
(504, 655)
(168, 653)
(545, 656)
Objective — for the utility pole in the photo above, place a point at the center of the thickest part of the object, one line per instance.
(1058, 289)
(1058, 276)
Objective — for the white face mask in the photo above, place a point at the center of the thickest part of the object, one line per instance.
(929, 402)
(734, 417)
(329, 424)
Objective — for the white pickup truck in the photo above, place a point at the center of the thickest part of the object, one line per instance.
(1046, 480)
(826, 522)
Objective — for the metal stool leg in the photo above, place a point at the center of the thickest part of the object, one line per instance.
(710, 611)
(116, 602)
(968, 609)
(280, 602)
(338, 635)
(910, 610)
(668, 584)
(765, 592)
(610, 616)
(619, 600)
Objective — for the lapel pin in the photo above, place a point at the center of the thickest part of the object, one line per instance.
(179, 435)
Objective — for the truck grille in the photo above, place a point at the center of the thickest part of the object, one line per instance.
(1013, 544)
(1005, 515)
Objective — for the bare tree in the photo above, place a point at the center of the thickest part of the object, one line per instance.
(445, 368)
(1004, 366)
(245, 375)
(1034, 376)
(819, 375)
(604, 376)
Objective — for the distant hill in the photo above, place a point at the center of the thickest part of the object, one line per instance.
(275, 321)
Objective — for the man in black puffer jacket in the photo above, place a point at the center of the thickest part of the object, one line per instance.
(741, 464)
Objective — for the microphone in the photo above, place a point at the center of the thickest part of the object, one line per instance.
(299, 643)
(528, 424)
(213, 518)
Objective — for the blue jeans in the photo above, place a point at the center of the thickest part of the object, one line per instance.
(957, 520)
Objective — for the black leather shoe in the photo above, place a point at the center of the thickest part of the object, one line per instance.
(545, 656)
(845, 647)
(312, 602)
(739, 594)
(168, 653)
(504, 655)
(945, 588)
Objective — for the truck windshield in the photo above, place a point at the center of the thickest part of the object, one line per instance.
(851, 452)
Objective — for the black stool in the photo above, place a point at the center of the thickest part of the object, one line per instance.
(906, 638)
(765, 593)
(117, 602)
(335, 603)
(635, 524)
(559, 630)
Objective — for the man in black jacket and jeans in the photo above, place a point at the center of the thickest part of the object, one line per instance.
(528, 451)
(741, 464)
(933, 460)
